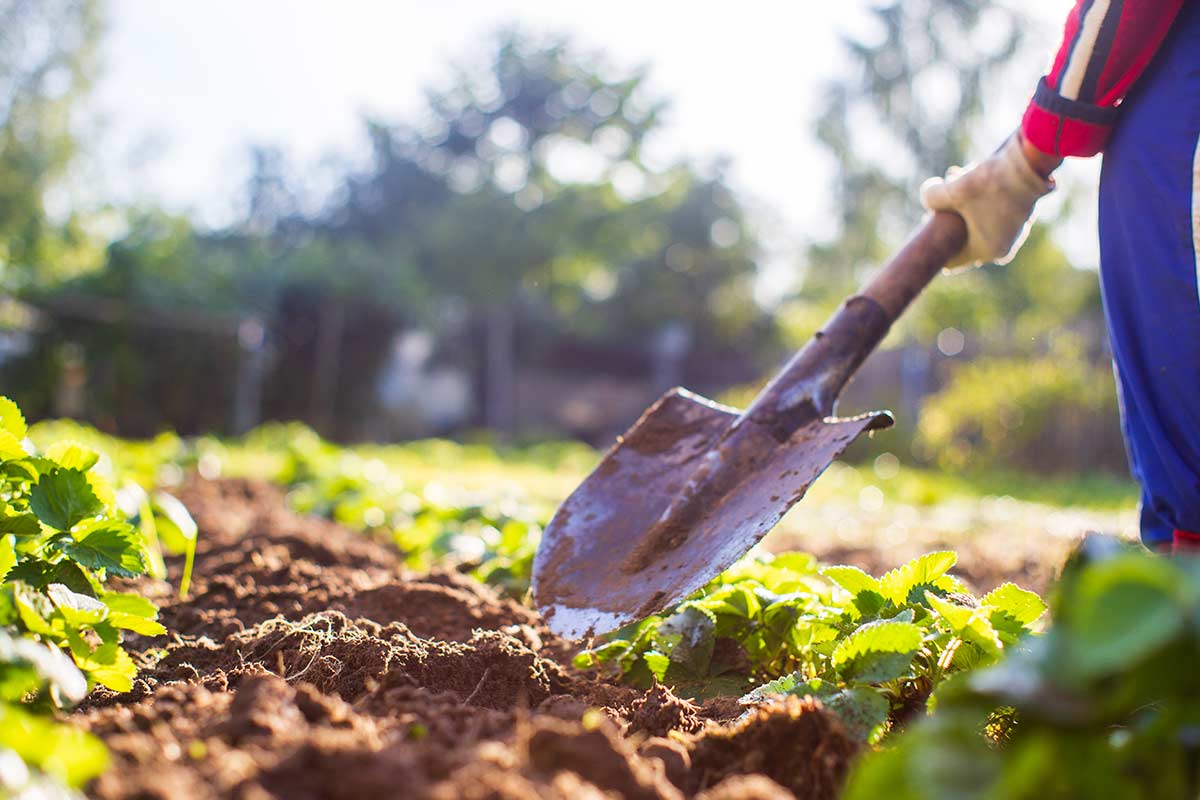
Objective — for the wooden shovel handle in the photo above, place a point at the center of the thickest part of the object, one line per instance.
(808, 385)
(917, 263)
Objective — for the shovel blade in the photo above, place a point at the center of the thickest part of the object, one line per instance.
(581, 581)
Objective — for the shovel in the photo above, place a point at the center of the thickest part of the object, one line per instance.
(693, 485)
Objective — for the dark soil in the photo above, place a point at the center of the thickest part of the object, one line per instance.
(308, 664)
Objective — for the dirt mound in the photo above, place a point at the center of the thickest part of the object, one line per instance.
(794, 742)
(307, 664)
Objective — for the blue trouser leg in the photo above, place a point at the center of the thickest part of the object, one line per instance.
(1150, 278)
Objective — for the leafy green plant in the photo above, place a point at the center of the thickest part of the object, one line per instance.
(39, 756)
(493, 538)
(873, 649)
(1105, 704)
(62, 536)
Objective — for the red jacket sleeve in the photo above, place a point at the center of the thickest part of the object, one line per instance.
(1106, 45)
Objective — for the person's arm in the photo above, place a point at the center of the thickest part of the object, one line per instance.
(1106, 46)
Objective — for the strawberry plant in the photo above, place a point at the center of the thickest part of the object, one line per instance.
(62, 537)
(39, 755)
(873, 649)
(492, 538)
(1105, 704)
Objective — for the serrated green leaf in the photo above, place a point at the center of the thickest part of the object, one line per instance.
(927, 569)
(956, 616)
(40, 574)
(12, 421)
(62, 498)
(11, 448)
(869, 604)
(776, 688)
(852, 579)
(861, 709)
(969, 624)
(108, 545)
(1022, 605)
(20, 525)
(108, 664)
(31, 571)
(878, 651)
(77, 609)
(29, 468)
(72, 455)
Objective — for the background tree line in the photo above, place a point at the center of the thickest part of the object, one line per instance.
(517, 223)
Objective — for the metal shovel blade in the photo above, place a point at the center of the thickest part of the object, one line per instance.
(583, 580)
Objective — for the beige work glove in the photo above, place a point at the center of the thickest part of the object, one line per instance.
(996, 198)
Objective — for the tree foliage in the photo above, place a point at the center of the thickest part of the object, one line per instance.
(47, 60)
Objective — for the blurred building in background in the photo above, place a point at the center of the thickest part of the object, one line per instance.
(507, 261)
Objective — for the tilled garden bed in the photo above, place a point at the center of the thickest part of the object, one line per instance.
(307, 663)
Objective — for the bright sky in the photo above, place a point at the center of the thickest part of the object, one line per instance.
(187, 85)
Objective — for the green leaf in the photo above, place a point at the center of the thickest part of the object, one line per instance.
(878, 651)
(969, 624)
(49, 663)
(133, 612)
(1120, 612)
(8, 557)
(72, 455)
(36, 612)
(862, 710)
(130, 603)
(61, 751)
(11, 448)
(852, 579)
(107, 664)
(62, 498)
(689, 637)
(927, 569)
(108, 545)
(657, 662)
(12, 421)
(176, 530)
(40, 574)
(77, 609)
(20, 525)
(776, 688)
(1023, 606)
(137, 624)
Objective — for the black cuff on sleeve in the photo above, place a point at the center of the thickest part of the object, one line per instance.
(1052, 101)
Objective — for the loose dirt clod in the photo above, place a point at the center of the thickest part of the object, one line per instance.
(794, 742)
(307, 665)
(659, 712)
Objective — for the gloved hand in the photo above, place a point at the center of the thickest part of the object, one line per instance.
(996, 198)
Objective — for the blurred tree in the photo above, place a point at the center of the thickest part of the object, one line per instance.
(522, 198)
(910, 104)
(906, 109)
(515, 218)
(47, 62)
